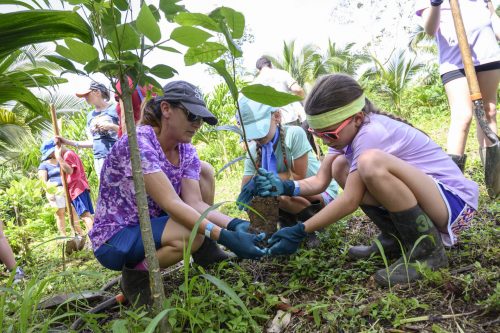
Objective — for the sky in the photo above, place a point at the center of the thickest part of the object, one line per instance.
(273, 21)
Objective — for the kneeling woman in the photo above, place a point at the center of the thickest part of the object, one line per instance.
(171, 170)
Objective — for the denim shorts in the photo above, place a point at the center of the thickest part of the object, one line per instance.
(126, 247)
(83, 203)
(460, 215)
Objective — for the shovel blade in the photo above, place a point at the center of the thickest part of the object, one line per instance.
(492, 170)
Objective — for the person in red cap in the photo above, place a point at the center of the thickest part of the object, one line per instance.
(138, 95)
(102, 124)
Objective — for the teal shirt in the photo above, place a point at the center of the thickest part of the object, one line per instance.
(296, 146)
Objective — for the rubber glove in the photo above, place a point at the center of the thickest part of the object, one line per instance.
(268, 184)
(238, 225)
(246, 195)
(286, 240)
(242, 244)
(436, 3)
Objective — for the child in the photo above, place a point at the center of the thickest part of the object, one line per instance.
(285, 151)
(78, 186)
(49, 172)
(7, 257)
(403, 180)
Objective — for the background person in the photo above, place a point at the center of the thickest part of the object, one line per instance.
(7, 257)
(402, 180)
(102, 125)
(477, 18)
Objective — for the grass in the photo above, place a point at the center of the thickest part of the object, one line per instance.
(323, 289)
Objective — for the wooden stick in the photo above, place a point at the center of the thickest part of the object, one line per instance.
(63, 174)
(436, 317)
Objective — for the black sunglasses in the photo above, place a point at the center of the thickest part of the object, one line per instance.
(191, 117)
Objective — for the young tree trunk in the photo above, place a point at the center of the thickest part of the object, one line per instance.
(156, 281)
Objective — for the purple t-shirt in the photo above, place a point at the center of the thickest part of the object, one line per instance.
(412, 146)
(116, 205)
(480, 35)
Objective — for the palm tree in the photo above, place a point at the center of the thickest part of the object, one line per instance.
(343, 60)
(304, 66)
(394, 76)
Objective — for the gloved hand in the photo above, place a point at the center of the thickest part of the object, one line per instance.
(246, 195)
(242, 244)
(238, 225)
(436, 3)
(286, 240)
(268, 184)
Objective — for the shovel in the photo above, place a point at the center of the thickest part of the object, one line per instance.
(492, 153)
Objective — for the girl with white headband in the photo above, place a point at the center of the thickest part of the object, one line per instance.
(399, 177)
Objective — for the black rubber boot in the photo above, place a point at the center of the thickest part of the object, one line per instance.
(135, 286)
(422, 243)
(387, 237)
(312, 240)
(286, 219)
(209, 254)
(459, 161)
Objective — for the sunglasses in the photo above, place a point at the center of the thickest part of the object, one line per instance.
(191, 117)
(331, 135)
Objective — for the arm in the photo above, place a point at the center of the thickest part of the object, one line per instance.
(65, 167)
(345, 204)
(318, 183)
(299, 167)
(74, 143)
(245, 180)
(431, 18)
(43, 175)
(191, 195)
(159, 188)
(495, 20)
(296, 89)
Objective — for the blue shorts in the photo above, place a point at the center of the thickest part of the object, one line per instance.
(126, 247)
(82, 203)
(460, 215)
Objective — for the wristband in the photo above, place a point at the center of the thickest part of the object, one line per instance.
(208, 229)
(296, 190)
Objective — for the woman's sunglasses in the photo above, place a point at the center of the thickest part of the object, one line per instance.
(331, 135)
(191, 117)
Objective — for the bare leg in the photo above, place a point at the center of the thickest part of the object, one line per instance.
(461, 115)
(173, 240)
(61, 224)
(77, 230)
(399, 186)
(488, 84)
(6, 254)
(207, 183)
(88, 219)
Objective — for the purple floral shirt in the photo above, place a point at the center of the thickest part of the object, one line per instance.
(116, 205)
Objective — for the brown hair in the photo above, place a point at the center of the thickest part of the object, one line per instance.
(151, 111)
(336, 90)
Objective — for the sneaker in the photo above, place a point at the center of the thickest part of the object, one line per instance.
(71, 246)
(20, 276)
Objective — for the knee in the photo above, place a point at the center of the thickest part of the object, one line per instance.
(371, 164)
(340, 170)
(490, 111)
(198, 240)
(207, 172)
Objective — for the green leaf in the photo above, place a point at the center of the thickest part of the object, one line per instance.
(189, 36)
(171, 8)
(234, 20)
(220, 67)
(125, 38)
(168, 49)
(233, 47)
(268, 95)
(204, 53)
(23, 28)
(146, 24)
(198, 19)
(163, 71)
(16, 3)
(91, 66)
(63, 62)
(82, 52)
(121, 4)
(22, 95)
(156, 320)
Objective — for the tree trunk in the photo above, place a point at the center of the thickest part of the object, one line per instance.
(156, 281)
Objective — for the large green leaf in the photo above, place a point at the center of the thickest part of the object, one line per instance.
(268, 95)
(121, 4)
(23, 28)
(198, 19)
(146, 23)
(125, 37)
(16, 3)
(206, 52)
(82, 52)
(234, 20)
(171, 8)
(163, 71)
(22, 95)
(220, 67)
(63, 62)
(189, 36)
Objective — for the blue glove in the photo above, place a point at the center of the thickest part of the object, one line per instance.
(238, 225)
(242, 244)
(436, 3)
(268, 184)
(286, 240)
(246, 195)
